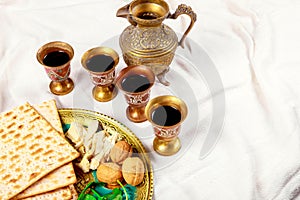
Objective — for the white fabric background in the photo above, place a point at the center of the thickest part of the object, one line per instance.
(255, 46)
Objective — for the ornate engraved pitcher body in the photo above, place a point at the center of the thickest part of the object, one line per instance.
(147, 41)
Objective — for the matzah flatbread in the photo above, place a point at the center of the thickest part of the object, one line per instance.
(48, 110)
(62, 176)
(73, 192)
(59, 194)
(30, 148)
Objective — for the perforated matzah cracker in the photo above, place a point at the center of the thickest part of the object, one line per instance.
(48, 110)
(59, 194)
(30, 148)
(73, 192)
(62, 176)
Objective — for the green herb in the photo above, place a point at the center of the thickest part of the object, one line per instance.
(126, 195)
(96, 194)
(85, 194)
(89, 197)
(97, 191)
(115, 195)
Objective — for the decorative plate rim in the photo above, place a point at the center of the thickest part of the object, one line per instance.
(126, 130)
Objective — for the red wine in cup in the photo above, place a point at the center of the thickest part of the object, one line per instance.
(100, 63)
(166, 116)
(56, 58)
(135, 83)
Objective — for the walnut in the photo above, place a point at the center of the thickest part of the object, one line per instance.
(120, 151)
(133, 170)
(109, 173)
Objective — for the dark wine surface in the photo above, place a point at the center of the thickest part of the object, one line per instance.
(56, 58)
(147, 15)
(100, 63)
(166, 116)
(135, 83)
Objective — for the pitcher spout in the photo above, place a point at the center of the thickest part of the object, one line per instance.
(123, 12)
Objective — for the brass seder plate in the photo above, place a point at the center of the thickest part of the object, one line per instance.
(144, 189)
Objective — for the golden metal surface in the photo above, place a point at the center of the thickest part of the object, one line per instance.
(61, 84)
(104, 89)
(187, 10)
(166, 148)
(144, 189)
(147, 41)
(61, 87)
(166, 141)
(137, 101)
(136, 114)
(99, 51)
(104, 93)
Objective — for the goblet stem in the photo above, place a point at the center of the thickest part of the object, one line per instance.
(136, 113)
(104, 93)
(61, 87)
(166, 147)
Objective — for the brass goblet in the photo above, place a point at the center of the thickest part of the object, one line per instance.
(136, 83)
(166, 114)
(101, 62)
(56, 58)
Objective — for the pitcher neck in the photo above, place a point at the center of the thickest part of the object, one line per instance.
(149, 25)
(148, 22)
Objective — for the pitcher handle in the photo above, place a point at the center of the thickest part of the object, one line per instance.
(184, 9)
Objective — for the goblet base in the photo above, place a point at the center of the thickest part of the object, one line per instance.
(61, 87)
(104, 93)
(136, 114)
(166, 147)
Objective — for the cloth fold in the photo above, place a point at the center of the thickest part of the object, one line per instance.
(255, 48)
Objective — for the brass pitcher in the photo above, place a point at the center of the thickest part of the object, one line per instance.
(147, 41)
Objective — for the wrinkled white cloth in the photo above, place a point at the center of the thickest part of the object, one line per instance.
(255, 47)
